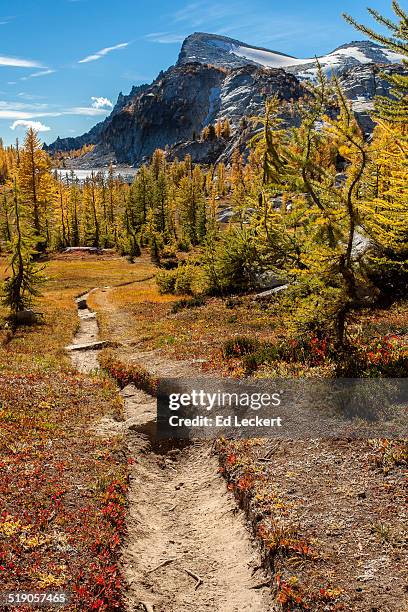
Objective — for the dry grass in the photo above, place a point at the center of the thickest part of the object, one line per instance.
(142, 318)
(331, 519)
(62, 488)
(330, 514)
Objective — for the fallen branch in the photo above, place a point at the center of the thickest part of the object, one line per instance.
(270, 452)
(147, 606)
(162, 564)
(199, 580)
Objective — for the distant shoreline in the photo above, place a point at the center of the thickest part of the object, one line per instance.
(126, 172)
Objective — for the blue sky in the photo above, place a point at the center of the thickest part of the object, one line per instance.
(63, 62)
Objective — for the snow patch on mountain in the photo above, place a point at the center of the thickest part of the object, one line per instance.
(393, 57)
(269, 59)
(230, 53)
(332, 62)
(349, 56)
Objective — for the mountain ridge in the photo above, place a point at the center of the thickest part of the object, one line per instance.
(226, 52)
(217, 78)
(205, 37)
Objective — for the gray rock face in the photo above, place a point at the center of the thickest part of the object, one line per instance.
(217, 78)
(241, 93)
(203, 152)
(362, 84)
(173, 109)
(245, 89)
(221, 51)
(172, 112)
(94, 135)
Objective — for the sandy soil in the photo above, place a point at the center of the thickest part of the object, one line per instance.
(188, 547)
(182, 520)
(354, 513)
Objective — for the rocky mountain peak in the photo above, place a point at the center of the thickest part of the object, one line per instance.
(218, 78)
(226, 52)
(231, 53)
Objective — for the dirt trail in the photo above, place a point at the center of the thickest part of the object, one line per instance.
(183, 525)
(85, 360)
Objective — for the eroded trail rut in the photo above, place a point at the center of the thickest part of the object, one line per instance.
(183, 525)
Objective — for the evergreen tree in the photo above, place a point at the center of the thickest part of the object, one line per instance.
(385, 207)
(191, 205)
(312, 241)
(22, 287)
(75, 211)
(226, 129)
(140, 198)
(219, 129)
(64, 223)
(35, 184)
(91, 222)
(6, 204)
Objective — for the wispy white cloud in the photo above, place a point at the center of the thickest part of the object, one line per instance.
(86, 111)
(21, 110)
(18, 62)
(238, 20)
(165, 37)
(199, 13)
(102, 53)
(101, 102)
(188, 12)
(215, 17)
(5, 20)
(28, 96)
(35, 75)
(36, 125)
(14, 114)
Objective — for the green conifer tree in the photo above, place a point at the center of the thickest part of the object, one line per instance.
(21, 288)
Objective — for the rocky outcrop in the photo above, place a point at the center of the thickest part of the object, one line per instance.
(361, 84)
(94, 135)
(73, 143)
(224, 52)
(201, 151)
(221, 78)
(172, 112)
(175, 108)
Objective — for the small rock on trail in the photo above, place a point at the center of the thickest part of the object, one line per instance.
(86, 343)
